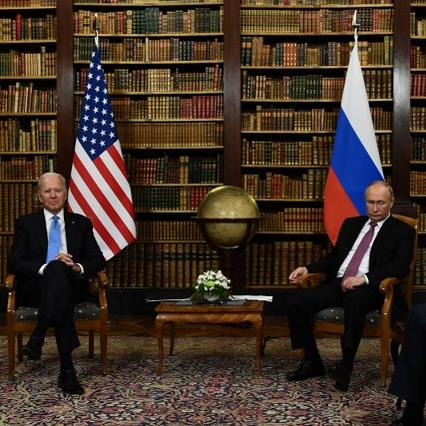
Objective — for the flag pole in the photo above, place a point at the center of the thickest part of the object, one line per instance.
(96, 29)
(355, 26)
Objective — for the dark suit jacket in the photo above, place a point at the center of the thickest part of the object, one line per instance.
(29, 248)
(390, 255)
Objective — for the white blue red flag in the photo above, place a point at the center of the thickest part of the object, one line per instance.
(99, 188)
(355, 161)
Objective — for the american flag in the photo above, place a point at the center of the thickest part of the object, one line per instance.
(99, 188)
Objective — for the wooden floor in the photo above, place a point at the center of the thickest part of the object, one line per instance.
(144, 326)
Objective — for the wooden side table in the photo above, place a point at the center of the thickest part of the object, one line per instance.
(171, 312)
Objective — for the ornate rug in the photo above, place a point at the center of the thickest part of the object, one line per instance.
(208, 381)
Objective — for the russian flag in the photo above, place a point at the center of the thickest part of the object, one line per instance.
(355, 161)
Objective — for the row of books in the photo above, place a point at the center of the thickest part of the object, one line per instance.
(165, 265)
(167, 198)
(149, 50)
(25, 167)
(151, 20)
(39, 136)
(313, 2)
(28, 28)
(16, 199)
(315, 119)
(314, 21)
(254, 52)
(293, 219)
(270, 264)
(418, 84)
(167, 169)
(157, 80)
(378, 84)
(170, 135)
(313, 152)
(417, 25)
(169, 107)
(418, 148)
(417, 182)
(5, 245)
(417, 118)
(417, 57)
(27, 3)
(308, 186)
(143, 2)
(420, 267)
(168, 230)
(24, 98)
(28, 64)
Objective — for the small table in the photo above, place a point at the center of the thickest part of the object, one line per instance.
(171, 312)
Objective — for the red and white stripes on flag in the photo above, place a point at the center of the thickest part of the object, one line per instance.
(99, 188)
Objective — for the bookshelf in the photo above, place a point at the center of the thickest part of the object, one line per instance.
(418, 126)
(237, 100)
(163, 64)
(292, 84)
(28, 108)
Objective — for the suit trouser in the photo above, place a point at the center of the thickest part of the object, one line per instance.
(409, 379)
(305, 303)
(58, 293)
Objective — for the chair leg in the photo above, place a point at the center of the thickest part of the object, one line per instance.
(172, 338)
(11, 356)
(91, 343)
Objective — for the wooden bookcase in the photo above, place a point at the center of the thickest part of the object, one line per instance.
(213, 107)
(28, 108)
(418, 125)
(292, 84)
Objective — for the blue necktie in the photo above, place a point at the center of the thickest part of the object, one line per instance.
(54, 244)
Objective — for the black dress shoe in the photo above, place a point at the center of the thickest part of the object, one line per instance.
(341, 376)
(69, 383)
(307, 368)
(32, 350)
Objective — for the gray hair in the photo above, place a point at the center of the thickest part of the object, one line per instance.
(49, 174)
(382, 183)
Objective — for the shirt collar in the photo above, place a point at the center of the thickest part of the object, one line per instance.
(381, 222)
(48, 215)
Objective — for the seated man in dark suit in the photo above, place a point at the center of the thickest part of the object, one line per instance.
(368, 249)
(54, 252)
(409, 379)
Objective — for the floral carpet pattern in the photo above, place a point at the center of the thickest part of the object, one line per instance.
(208, 381)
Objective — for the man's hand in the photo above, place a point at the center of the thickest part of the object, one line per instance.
(349, 283)
(295, 276)
(68, 260)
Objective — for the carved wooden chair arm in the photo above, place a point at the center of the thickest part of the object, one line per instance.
(98, 282)
(310, 280)
(386, 287)
(9, 282)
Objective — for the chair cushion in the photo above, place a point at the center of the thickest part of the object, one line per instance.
(82, 311)
(335, 315)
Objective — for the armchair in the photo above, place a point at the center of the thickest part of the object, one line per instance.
(89, 317)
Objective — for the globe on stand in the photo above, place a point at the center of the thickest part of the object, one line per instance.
(228, 217)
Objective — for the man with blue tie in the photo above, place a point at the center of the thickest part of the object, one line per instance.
(368, 249)
(53, 254)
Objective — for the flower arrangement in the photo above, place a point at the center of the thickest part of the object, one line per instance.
(211, 286)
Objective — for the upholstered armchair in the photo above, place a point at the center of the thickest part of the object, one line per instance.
(89, 317)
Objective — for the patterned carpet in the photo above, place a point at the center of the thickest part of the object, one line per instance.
(208, 381)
